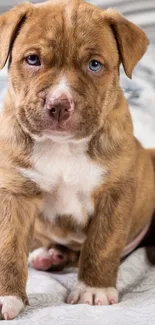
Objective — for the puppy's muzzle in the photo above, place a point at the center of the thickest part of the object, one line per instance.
(59, 108)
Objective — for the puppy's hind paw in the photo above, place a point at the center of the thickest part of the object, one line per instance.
(43, 259)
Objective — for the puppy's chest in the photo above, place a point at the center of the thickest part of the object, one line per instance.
(67, 177)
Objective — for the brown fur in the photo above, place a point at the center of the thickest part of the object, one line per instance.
(17, 217)
(67, 39)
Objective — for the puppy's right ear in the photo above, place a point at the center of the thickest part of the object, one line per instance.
(10, 23)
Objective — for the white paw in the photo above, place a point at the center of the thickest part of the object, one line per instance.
(43, 259)
(83, 294)
(10, 307)
(40, 259)
(38, 253)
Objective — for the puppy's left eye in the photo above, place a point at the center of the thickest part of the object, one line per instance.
(33, 60)
(94, 66)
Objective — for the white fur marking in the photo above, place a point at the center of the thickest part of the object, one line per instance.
(61, 88)
(68, 177)
(39, 252)
(11, 307)
(83, 294)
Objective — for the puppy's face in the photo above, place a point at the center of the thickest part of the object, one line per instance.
(64, 67)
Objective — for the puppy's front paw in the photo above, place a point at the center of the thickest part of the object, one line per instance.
(82, 294)
(10, 307)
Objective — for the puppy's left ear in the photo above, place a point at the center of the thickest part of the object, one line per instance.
(10, 23)
(131, 40)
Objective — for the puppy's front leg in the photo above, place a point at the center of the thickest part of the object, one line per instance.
(16, 229)
(100, 256)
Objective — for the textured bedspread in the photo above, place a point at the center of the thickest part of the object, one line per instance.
(136, 281)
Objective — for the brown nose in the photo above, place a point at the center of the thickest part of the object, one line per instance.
(59, 108)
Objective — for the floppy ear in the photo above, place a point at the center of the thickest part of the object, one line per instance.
(10, 23)
(131, 40)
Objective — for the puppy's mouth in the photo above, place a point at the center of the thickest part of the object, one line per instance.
(39, 121)
(60, 130)
(58, 118)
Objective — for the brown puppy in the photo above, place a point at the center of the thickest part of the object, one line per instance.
(67, 147)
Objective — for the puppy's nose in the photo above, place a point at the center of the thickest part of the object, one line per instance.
(60, 108)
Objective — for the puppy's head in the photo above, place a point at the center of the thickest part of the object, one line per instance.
(64, 59)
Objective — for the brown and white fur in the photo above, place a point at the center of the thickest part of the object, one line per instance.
(69, 161)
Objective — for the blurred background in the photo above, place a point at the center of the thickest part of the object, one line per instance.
(140, 91)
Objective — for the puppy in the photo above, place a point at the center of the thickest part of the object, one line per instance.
(68, 154)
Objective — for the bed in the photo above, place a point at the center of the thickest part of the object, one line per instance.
(136, 280)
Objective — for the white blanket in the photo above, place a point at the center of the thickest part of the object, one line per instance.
(136, 281)
(47, 293)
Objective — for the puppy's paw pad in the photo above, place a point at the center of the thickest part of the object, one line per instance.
(57, 256)
(93, 296)
(11, 307)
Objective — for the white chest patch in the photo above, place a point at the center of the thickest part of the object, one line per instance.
(67, 176)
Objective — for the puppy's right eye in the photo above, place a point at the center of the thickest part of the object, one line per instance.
(33, 60)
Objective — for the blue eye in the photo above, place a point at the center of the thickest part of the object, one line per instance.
(94, 66)
(33, 60)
